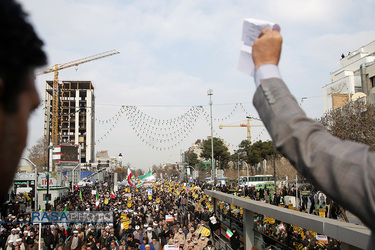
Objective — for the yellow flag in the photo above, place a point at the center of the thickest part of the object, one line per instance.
(129, 204)
(27, 197)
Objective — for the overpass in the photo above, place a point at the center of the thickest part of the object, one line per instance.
(353, 235)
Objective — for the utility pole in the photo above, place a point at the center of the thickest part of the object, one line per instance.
(274, 167)
(213, 175)
(238, 167)
(48, 172)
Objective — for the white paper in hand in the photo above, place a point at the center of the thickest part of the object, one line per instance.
(250, 32)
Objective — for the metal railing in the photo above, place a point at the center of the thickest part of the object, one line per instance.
(219, 243)
(349, 234)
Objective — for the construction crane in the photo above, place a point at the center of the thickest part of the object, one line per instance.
(243, 125)
(55, 94)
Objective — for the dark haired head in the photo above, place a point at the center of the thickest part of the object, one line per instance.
(20, 51)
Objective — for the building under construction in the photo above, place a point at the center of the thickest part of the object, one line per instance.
(76, 116)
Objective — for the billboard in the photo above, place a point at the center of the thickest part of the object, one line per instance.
(66, 153)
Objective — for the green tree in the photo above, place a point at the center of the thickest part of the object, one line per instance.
(191, 158)
(221, 152)
(255, 153)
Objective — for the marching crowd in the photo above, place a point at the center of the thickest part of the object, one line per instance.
(146, 214)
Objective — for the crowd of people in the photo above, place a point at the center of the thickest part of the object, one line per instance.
(147, 226)
(311, 201)
(147, 215)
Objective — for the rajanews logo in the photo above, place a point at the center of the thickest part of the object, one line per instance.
(71, 217)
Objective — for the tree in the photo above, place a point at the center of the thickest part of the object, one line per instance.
(257, 152)
(36, 154)
(354, 122)
(138, 172)
(221, 152)
(191, 158)
(158, 170)
(121, 173)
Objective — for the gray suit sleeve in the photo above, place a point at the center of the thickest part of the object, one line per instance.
(344, 170)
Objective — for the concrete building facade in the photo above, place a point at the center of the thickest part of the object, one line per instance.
(355, 78)
(76, 124)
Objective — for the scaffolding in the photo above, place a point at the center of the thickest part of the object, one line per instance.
(76, 116)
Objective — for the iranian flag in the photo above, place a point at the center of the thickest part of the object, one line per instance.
(130, 175)
(112, 194)
(228, 234)
(149, 177)
(97, 200)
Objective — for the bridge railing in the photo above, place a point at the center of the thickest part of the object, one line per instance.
(350, 234)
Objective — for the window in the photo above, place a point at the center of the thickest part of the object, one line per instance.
(372, 79)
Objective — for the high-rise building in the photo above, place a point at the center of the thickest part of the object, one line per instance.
(76, 119)
(354, 79)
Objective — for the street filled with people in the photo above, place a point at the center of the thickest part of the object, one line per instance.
(151, 216)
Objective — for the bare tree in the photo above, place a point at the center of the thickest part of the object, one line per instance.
(36, 154)
(158, 170)
(354, 122)
(138, 172)
(121, 172)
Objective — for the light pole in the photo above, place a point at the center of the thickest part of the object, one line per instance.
(238, 166)
(120, 159)
(35, 183)
(210, 93)
(274, 167)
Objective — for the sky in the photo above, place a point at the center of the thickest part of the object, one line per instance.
(173, 52)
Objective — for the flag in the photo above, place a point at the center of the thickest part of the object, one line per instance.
(65, 177)
(112, 194)
(27, 197)
(147, 177)
(97, 200)
(321, 239)
(66, 208)
(80, 195)
(77, 187)
(228, 234)
(140, 185)
(130, 175)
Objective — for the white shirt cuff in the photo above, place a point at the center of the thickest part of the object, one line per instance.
(266, 71)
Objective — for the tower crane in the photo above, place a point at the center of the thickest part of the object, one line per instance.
(55, 94)
(243, 125)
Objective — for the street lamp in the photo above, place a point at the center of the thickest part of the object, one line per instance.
(213, 175)
(238, 167)
(35, 184)
(120, 159)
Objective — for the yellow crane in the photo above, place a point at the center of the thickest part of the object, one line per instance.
(243, 125)
(55, 96)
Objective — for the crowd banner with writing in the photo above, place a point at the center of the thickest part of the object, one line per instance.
(169, 218)
(203, 230)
